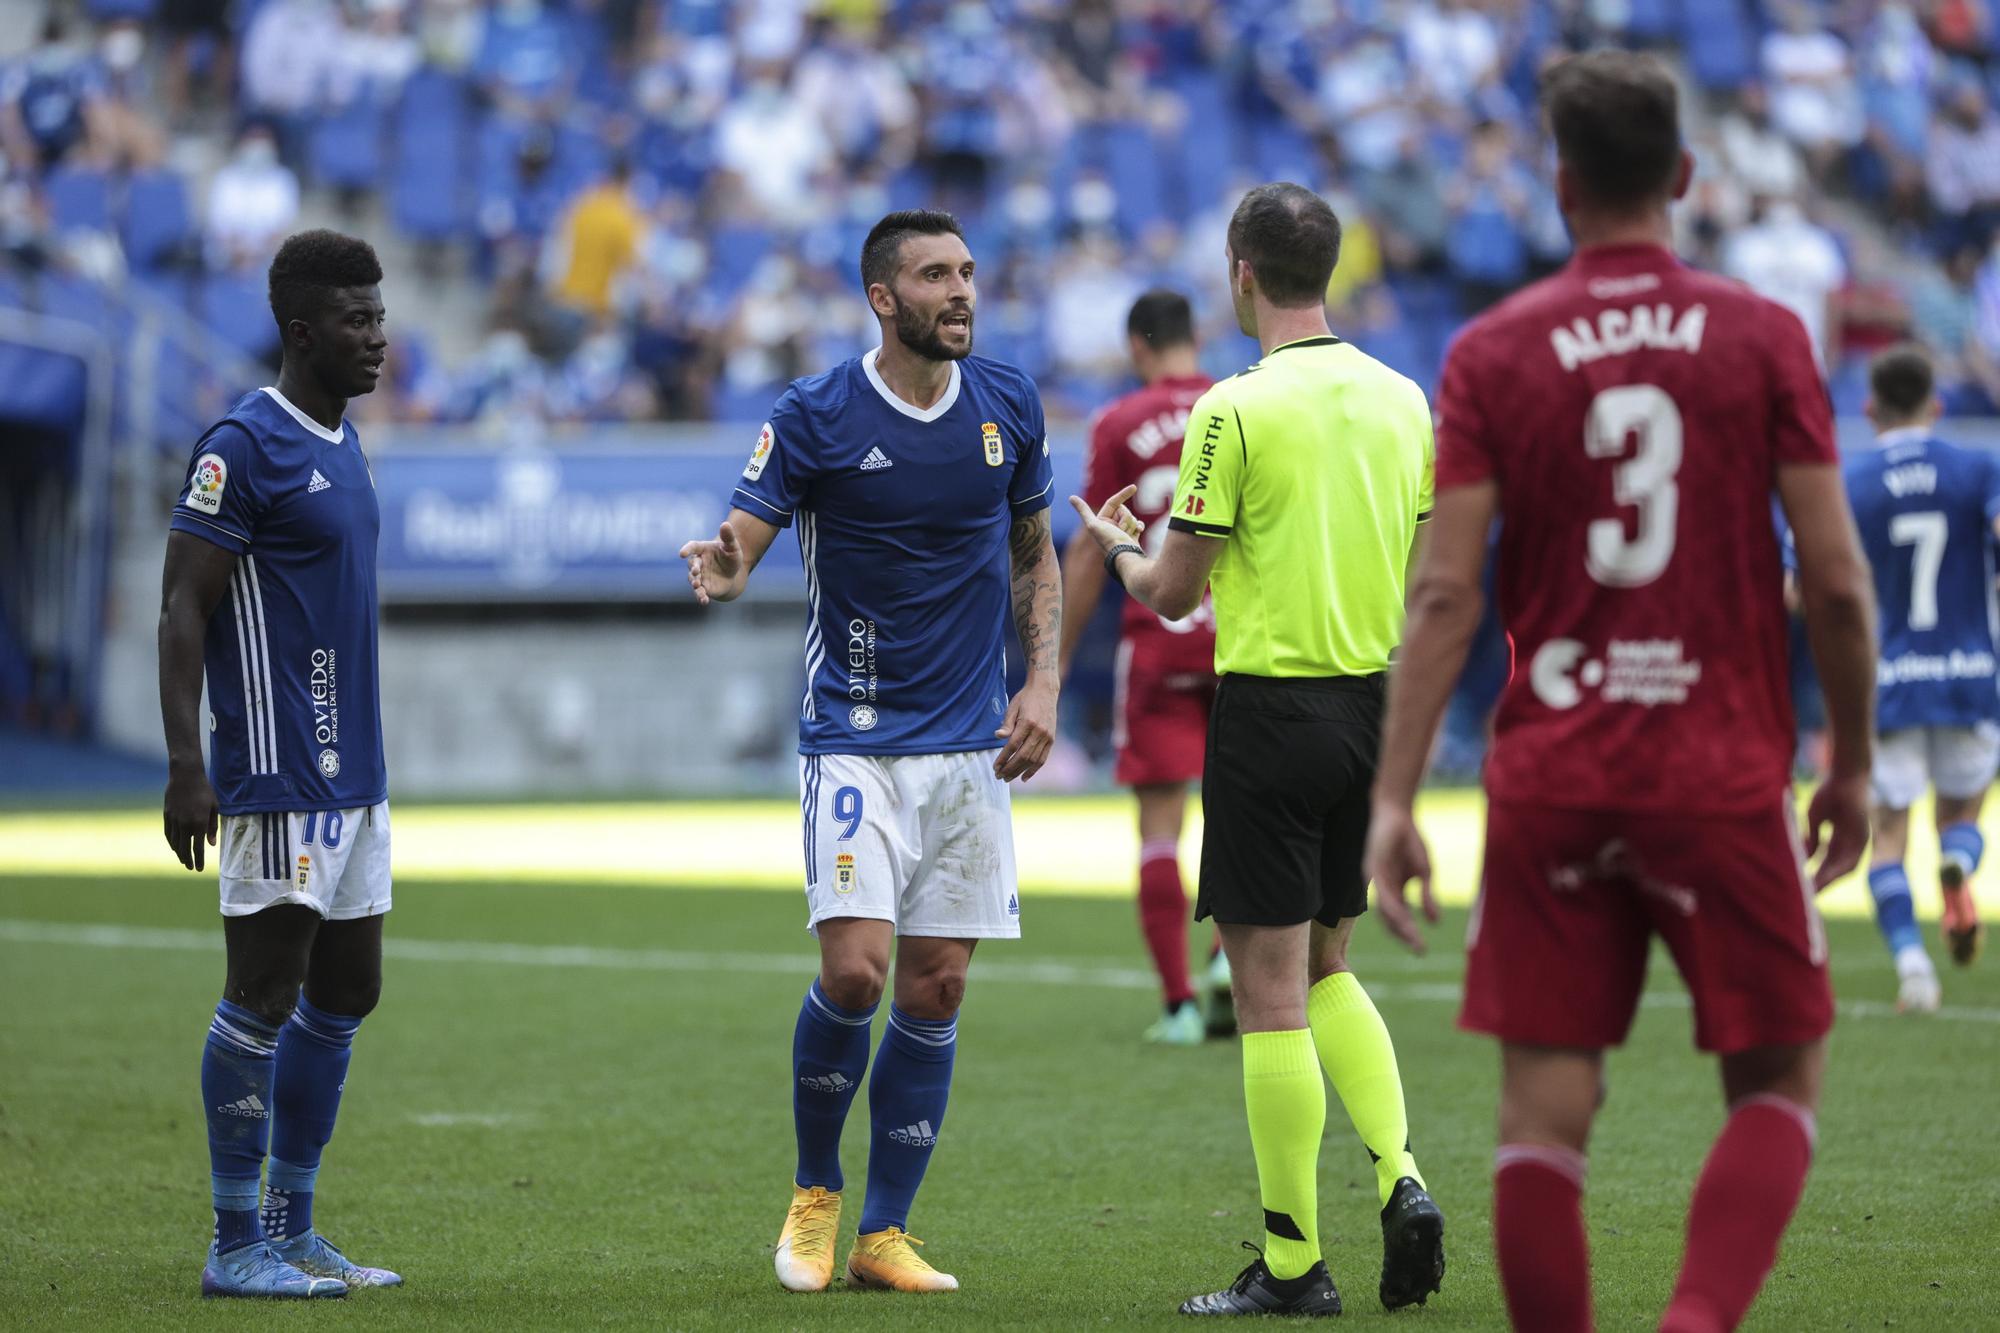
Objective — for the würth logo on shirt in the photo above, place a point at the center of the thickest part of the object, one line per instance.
(876, 461)
(1195, 504)
(318, 483)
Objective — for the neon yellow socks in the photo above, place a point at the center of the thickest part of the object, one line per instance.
(1360, 1060)
(1287, 1104)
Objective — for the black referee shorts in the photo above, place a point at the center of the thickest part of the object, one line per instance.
(1285, 796)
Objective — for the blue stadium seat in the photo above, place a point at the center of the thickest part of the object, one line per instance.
(78, 299)
(427, 195)
(733, 255)
(236, 308)
(1652, 21)
(1133, 161)
(346, 145)
(159, 226)
(79, 199)
(110, 11)
(1484, 245)
(1720, 42)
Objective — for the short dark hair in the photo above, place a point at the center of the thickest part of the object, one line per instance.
(1616, 120)
(1291, 240)
(884, 246)
(1902, 380)
(1163, 318)
(311, 265)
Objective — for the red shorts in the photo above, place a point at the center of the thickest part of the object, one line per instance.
(1163, 687)
(1570, 901)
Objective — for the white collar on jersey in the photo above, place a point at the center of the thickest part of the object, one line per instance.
(908, 409)
(330, 436)
(1889, 439)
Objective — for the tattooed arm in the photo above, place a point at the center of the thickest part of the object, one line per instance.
(1030, 727)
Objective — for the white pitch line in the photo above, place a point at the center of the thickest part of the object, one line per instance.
(1045, 973)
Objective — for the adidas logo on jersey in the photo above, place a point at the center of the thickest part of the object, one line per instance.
(834, 1082)
(876, 460)
(318, 483)
(250, 1108)
(919, 1135)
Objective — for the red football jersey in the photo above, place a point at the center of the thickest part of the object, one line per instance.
(1633, 413)
(1136, 441)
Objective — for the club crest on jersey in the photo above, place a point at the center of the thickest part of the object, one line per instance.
(861, 717)
(211, 474)
(305, 870)
(761, 454)
(329, 763)
(843, 873)
(989, 435)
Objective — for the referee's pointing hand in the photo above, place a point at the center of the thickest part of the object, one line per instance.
(1112, 524)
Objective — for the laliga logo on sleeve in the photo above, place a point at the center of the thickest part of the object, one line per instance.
(211, 474)
(989, 435)
(761, 454)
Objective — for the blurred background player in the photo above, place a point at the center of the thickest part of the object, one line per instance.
(1303, 483)
(1639, 781)
(919, 477)
(1164, 679)
(270, 589)
(1927, 513)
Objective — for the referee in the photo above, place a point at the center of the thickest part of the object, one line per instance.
(1302, 482)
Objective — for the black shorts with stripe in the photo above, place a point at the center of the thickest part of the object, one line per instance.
(1285, 797)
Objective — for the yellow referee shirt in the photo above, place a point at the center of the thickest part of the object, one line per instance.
(1315, 466)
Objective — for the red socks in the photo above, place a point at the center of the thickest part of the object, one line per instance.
(1163, 917)
(1538, 1237)
(1744, 1200)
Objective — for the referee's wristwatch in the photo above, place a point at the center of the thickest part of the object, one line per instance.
(1111, 559)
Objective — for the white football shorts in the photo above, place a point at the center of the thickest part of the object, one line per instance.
(1959, 761)
(333, 861)
(925, 841)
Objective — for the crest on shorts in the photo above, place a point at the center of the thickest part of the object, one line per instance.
(843, 873)
(989, 435)
(305, 870)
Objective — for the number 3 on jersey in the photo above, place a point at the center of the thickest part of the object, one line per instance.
(1644, 481)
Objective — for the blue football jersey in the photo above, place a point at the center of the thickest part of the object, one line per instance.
(294, 715)
(902, 519)
(1925, 510)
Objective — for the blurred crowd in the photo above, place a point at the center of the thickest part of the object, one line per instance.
(659, 202)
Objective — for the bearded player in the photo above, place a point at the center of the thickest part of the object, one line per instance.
(1165, 671)
(1628, 420)
(918, 479)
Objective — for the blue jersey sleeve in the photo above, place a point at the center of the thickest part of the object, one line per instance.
(1992, 487)
(781, 467)
(221, 500)
(1034, 475)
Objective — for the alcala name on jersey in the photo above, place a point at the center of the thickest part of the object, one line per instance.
(1620, 332)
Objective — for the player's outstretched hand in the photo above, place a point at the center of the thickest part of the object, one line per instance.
(1112, 524)
(1030, 732)
(1840, 806)
(715, 567)
(192, 815)
(1396, 855)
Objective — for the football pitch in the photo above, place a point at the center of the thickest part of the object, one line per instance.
(573, 1105)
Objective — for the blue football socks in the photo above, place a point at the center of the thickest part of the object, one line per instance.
(829, 1056)
(906, 1100)
(1895, 914)
(236, 1072)
(313, 1050)
(1962, 845)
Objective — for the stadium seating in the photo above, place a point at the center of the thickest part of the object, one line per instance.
(158, 223)
(79, 199)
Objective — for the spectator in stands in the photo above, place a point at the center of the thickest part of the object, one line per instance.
(854, 89)
(1811, 76)
(132, 137)
(199, 42)
(597, 242)
(373, 55)
(1489, 200)
(287, 54)
(1364, 94)
(1756, 153)
(1454, 48)
(1944, 316)
(1962, 168)
(773, 147)
(252, 202)
(527, 64)
(50, 102)
(1411, 204)
(1087, 292)
(1792, 260)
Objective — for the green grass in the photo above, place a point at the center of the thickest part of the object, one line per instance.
(607, 1141)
